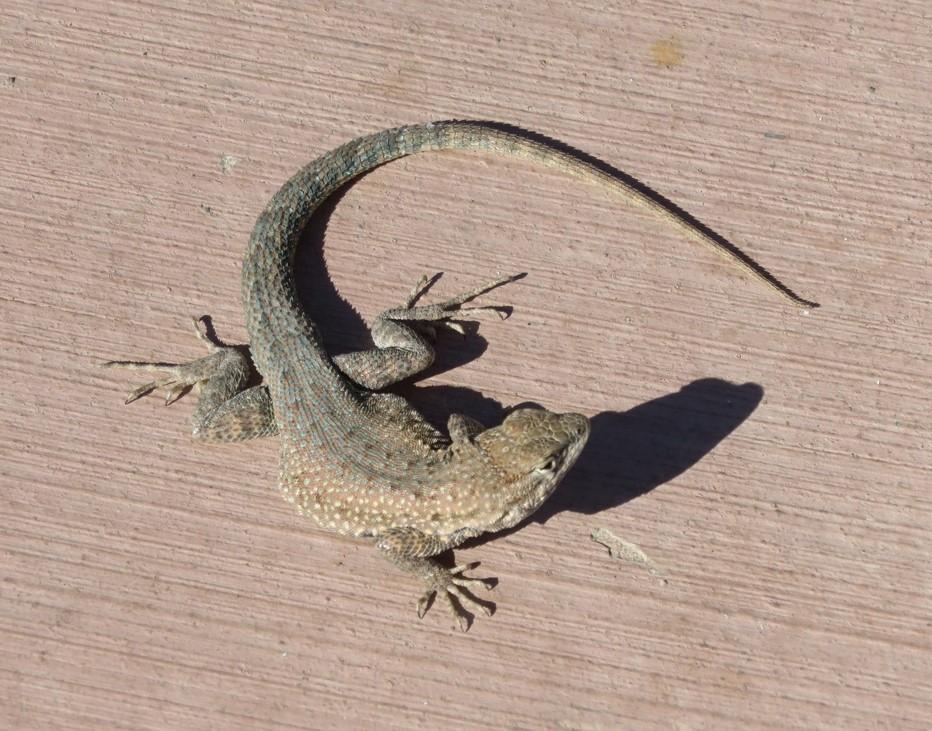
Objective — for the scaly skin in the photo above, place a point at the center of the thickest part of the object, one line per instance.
(364, 463)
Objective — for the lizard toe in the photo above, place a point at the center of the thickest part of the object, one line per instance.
(449, 585)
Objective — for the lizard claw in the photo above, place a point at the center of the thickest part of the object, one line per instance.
(503, 311)
(444, 312)
(454, 305)
(420, 289)
(175, 383)
(177, 378)
(448, 584)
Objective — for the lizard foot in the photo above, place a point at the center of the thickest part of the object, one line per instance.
(180, 377)
(404, 335)
(443, 312)
(448, 584)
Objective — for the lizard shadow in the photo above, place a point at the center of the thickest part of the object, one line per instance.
(630, 453)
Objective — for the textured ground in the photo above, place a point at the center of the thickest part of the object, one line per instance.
(772, 467)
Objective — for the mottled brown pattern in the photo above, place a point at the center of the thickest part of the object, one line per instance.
(364, 463)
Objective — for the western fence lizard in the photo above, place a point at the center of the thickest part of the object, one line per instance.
(360, 461)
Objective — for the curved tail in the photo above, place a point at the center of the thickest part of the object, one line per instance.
(272, 308)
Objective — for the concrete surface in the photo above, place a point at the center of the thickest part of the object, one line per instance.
(767, 471)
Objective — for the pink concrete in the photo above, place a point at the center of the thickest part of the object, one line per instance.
(150, 584)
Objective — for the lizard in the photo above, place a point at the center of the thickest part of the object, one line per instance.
(355, 458)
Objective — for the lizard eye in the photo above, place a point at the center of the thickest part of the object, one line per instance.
(550, 465)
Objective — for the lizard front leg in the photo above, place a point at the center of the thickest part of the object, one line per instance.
(413, 551)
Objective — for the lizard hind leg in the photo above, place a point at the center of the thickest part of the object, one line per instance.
(404, 335)
(226, 410)
(444, 312)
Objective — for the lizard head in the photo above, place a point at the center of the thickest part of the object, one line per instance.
(534, 449)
